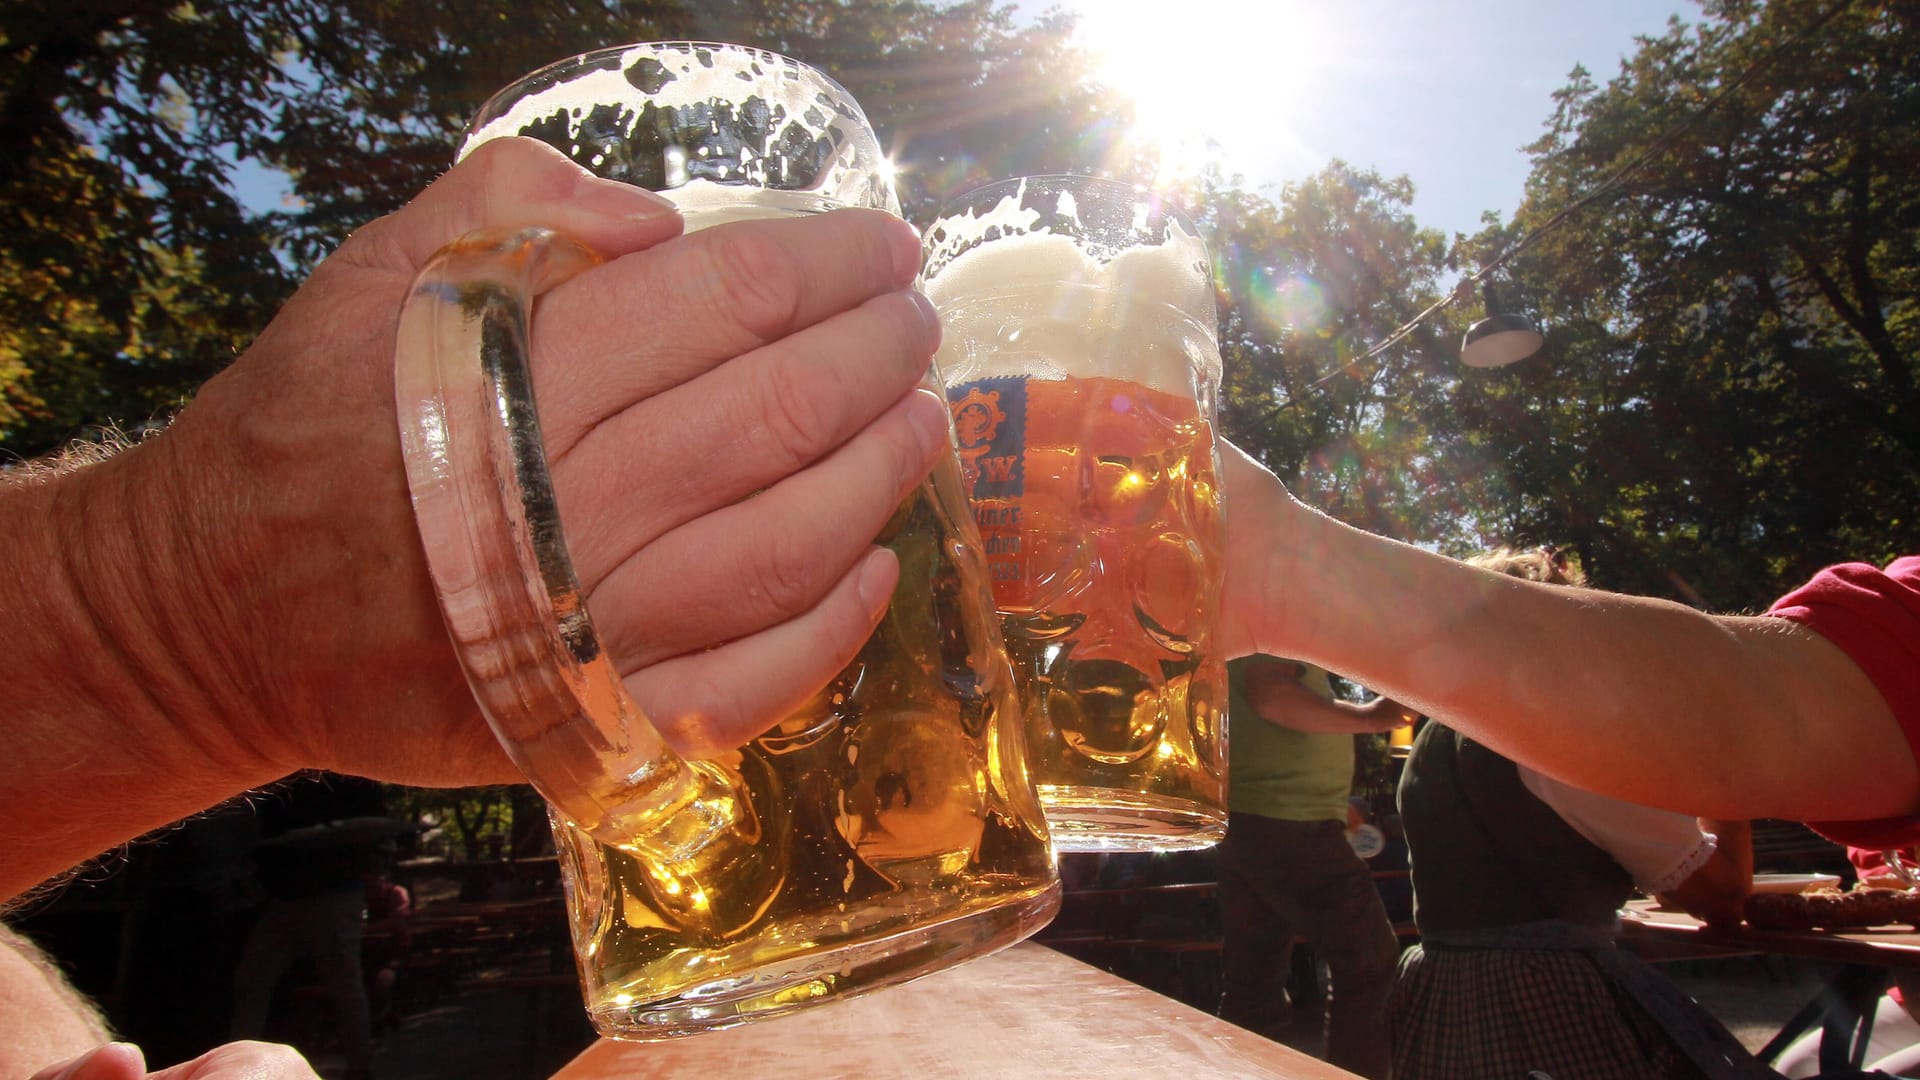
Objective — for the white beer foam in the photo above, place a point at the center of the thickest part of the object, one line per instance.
(700, 74)
(706, 204)
(1038, 304)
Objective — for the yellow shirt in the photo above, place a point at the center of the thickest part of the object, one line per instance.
(1277, 772)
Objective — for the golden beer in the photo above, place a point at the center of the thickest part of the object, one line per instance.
(1103, 570)
(893, 804)
(1082, 385)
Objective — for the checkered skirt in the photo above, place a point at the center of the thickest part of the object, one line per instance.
(1507, 1014)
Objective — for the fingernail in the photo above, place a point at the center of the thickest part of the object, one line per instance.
(932, 423)
(878, 575)
(611, 198)
(906, 252)
(927, 310)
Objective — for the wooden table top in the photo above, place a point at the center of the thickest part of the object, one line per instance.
(1027, 1011)
(1891, 947)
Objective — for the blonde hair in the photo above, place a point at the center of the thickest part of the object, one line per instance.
(1545, 563)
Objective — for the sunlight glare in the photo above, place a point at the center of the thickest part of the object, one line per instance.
(1213, 79)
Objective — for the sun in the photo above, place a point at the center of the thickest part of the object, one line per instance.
(1214, 80)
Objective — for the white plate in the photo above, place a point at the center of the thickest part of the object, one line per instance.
(1793, 883)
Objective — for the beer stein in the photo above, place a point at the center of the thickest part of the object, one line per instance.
(1082, 364)
(889, 829)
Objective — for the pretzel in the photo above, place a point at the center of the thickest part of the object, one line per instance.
(1831, 909)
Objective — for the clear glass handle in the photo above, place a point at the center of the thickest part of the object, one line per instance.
(1897, 863)
(484, 503)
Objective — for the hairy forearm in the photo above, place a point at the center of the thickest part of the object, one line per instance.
(112, 730)
(1640, 699)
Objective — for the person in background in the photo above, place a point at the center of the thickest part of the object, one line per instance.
(313, 863)
(388, 937)
(1286, 866)
(1390, 870)
(1517, 879)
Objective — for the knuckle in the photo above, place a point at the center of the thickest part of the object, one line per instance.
(786, 576)
(374, 246)
(844, 628)
(522, 162)
(494, 165)
(795, 417)
(906, 463)
(906, 338)
(891, 459)
(491, 156)
(897, 343)
(755, 281)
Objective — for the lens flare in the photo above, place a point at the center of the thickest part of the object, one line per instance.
(1287, 305)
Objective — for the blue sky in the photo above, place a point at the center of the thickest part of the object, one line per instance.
(1446, 92)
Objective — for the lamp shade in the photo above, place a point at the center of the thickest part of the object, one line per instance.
(1499, 340)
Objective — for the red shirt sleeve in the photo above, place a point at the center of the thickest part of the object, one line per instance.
(1874, 617)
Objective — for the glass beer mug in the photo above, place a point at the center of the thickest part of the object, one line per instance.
(887, 830)
(1082, 366)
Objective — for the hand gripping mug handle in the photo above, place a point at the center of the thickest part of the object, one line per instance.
(483, 500)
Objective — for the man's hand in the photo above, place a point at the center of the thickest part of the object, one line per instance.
(731, 416)
(682, 376)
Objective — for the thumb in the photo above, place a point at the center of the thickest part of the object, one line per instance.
(114, 1061)
(513, 183)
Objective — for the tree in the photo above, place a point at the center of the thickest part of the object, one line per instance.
(128, 270)
(1306, 289)
(1729, 400)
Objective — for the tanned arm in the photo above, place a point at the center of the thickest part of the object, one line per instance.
(1641, 699)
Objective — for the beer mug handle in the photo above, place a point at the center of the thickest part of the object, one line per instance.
(483, 500)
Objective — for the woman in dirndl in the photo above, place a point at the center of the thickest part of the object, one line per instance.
(1517, 880)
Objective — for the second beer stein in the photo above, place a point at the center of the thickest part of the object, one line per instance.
(1081, 360)
(887, 830)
